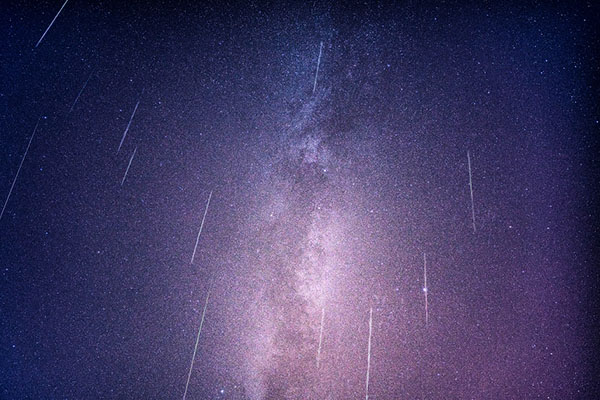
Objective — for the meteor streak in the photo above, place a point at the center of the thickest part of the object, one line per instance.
(369, 353)
(471, 188)
(49, 26)
(425, 287)
(196, 346)
(81, 91)
(129, 165)
(19, 169)
(201, 225)
(318, 63)
(128, 125)
(320, 337)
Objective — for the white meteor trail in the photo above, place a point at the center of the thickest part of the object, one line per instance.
(51, 23)
(128, 125)
(425, 288)
(129, 165)
(201, 225)
(81, 91)
(19, 169)
(196, 346)
(369, 353)
(320, 337)
(318, 64)
(471, 188)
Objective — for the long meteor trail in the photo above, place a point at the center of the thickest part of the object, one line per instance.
(318, 64)
(19, 169)
(425, 288)
(128, 125)
(320, 337)
(201, 225)
(51, 23)
(129, 165)
(369, 353)
(81, 91)
(196, 346)
(471, 189)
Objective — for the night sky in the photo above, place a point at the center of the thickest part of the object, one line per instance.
(325, 199)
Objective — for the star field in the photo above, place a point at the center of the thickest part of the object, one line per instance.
(323, 201)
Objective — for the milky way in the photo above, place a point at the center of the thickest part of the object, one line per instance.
(309, 159)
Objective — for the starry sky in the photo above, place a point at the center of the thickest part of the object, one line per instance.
(325, 199)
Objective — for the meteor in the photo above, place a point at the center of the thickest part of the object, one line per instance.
(320, 337)
(201, 225)
(369, 353)
(425, 287)
(81, 91)
(128, 125)
(19, 169)
(471, 189)
(51, 23)
(129, 165)
(196, 346)
(318, 63)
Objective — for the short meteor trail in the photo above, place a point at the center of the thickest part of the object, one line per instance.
(369, 353)
(318, 64)
(129, 165)
(320, 337)
(471, 188)
(51, 23)
(425, 288)
(19, 169)
(81, 91)
(201, 225)
(196, 346)
(128, 125)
